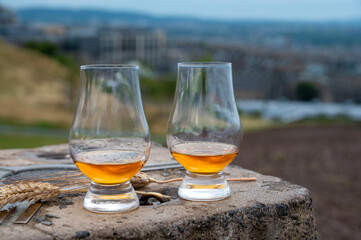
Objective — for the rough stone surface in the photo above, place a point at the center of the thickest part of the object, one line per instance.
(82, 234)
(59, 154)
(269, 208)
(47, 223)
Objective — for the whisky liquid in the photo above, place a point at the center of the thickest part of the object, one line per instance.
(204, 157)
(109, 166)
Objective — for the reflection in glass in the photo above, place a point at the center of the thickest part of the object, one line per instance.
(204, 130)
(109, 139)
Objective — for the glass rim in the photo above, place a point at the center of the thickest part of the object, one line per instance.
(108, 66)
(204, 64)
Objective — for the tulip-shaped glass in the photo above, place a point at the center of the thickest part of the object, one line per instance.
(109, 139)
(204, 129)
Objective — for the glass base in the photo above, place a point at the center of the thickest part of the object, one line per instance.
(111, 198)
(201, 187)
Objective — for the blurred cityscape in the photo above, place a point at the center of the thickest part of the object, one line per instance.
(270, 60)
(279, 61)
(276, 65)
(297, 86)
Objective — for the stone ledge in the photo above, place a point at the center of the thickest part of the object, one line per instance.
(269, 208)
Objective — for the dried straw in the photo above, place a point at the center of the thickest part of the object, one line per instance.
(36, 191)
(141, 180)
(27, 191)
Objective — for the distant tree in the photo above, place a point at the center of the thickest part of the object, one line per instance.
(46, 48)
(158, 89)
(52, 50)
(306, 91)
(206, 57)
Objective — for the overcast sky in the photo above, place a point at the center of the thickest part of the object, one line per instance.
(216, 9)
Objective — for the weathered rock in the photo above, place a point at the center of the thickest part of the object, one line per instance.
(269, 208)
(51, 216)
(47, 223)
(82, 234)
(41, 218)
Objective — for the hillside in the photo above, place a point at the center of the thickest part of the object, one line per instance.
(35, 91)
(33, 87)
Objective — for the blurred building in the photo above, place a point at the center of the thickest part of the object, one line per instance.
(7, 16)
(268, 73)
(272, 69)
(91, 44)
(13, 31)
(117, 45)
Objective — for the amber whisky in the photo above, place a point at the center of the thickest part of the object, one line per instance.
(204, 157)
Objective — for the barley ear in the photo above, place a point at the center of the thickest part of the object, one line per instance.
(36, 191)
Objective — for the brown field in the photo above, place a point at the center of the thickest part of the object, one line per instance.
(33, 87)
(325, 159)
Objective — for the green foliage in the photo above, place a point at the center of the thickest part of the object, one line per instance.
(306, 91)
(46, 48)
(159, 89)
(51, 50)
(207, 57)
(36, 125)
(161, 139)
(324, 120)
(27, 141)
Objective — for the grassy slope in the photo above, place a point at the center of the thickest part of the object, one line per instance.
(33, 87)
(23, 141)
(34, 91)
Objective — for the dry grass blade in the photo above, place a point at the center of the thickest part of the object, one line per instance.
(160, 197)
(36, 191)
(141, 179)
(228, 179)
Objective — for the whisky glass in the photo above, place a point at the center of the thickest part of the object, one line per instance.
(109, 139)
(204, 130)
